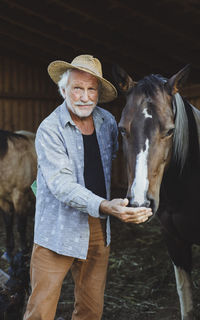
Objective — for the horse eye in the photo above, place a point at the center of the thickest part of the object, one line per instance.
(170, 132)
(122, 131)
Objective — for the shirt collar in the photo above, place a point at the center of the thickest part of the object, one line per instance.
(65, 116)
(98, 118)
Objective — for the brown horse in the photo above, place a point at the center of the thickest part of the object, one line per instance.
(161, 139)
(17, 172)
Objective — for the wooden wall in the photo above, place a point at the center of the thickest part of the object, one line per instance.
(192, 94)
(27, 95)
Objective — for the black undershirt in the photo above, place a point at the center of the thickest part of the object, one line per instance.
(93, 169)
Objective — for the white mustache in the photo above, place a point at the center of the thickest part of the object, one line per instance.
(80, 103)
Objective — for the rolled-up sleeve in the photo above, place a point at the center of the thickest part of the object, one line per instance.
(58, 172)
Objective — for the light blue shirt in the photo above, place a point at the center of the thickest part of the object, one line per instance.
(62, 201)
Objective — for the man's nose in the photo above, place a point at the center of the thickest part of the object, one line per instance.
(84, 96)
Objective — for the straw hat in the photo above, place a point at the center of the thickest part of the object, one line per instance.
(88, 64)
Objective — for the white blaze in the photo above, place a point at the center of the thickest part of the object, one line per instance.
(141, 183)
(146, 114)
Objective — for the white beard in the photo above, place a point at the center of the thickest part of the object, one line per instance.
(80, 112)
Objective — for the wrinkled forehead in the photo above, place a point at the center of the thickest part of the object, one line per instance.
(78, 76)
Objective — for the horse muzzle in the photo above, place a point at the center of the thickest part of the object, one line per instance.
(148, 203)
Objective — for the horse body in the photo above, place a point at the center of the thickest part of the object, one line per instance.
(17, 172)
(161, 139)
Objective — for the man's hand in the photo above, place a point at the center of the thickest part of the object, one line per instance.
(118, 208)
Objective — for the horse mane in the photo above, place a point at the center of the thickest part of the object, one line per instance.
(150, 84)
(181, 131)
(4, 137)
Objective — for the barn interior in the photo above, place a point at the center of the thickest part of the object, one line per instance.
(143, 37)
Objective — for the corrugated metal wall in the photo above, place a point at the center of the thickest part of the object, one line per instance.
(27, 95)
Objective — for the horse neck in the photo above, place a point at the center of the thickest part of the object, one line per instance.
(193, 150)
(181, 184)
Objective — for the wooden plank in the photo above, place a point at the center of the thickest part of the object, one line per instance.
(4, 277)
(6, 121)
(192, 91)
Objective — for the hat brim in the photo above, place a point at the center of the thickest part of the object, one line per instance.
(58, 67)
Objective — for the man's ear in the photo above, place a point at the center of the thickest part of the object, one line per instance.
(122, 80)
(177, 80)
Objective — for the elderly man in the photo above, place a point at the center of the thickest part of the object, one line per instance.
(75, 145)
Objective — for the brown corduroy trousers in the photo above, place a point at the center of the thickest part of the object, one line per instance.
(48, 270)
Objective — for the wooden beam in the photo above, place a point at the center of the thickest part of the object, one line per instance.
(150, 18)
(73, 37)
(89, 12)
(114, 43)
(20, 32)
(27, 96)
(80, 8)
(13, 48)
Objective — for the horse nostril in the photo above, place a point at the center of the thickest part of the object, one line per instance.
(146, 204)
(129, 201)
(134, 204)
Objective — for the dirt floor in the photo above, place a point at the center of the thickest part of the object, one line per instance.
(140, 283)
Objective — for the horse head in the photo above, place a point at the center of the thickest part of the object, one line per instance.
(147, 126)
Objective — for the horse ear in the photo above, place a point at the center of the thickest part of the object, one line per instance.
(177, 80)
(122, 80)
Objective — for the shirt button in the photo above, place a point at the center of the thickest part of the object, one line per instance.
(79, 147)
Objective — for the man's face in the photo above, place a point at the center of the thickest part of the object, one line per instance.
(81, 93)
